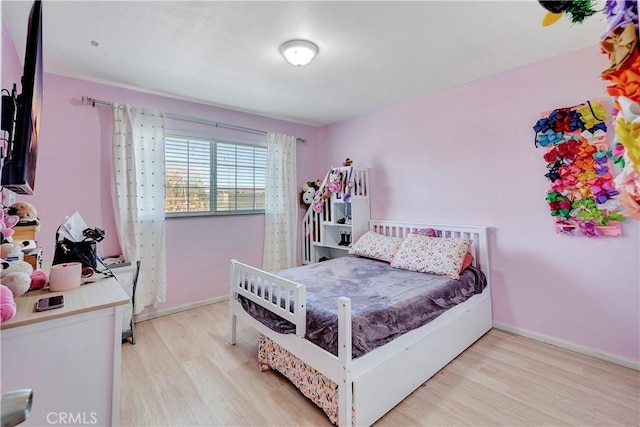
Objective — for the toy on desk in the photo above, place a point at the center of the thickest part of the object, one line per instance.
(24, 245)
(16, 276)
(26, 212)
(38, 280)
(7, 222)
(7, 304)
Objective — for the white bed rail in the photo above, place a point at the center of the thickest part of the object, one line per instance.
(271, 292)
(251, 283)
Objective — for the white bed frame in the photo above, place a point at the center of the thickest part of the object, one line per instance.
(382, 378)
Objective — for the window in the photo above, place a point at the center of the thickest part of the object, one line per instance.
(211, 177)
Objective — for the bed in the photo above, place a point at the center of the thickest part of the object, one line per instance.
(371, 383)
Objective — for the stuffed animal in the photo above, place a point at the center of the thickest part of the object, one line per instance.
(335, 181)
(7, 304)
(7, 222)
(25, 245)
(38, 280)
(26, 212)
(347, 162)
(16, 275)
(308, 192)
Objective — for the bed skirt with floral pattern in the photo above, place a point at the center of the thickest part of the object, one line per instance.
(314, 385)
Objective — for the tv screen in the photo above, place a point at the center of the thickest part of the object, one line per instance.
(19, 168)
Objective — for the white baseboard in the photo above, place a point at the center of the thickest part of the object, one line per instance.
(152, 313)
(587, 351)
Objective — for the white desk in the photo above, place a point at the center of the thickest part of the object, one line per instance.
(69, 356)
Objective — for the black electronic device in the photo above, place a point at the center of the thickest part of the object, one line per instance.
(19, 167)
(50, 303)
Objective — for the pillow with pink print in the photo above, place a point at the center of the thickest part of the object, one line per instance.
(437, 255)
(376, 246)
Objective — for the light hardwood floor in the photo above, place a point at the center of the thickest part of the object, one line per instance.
(182, 371)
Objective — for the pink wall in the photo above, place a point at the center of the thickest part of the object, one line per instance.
(198, 249)
(466, 156)
(74, 173)
(11, 66)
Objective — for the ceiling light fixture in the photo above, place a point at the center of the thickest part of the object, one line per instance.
(299, 52)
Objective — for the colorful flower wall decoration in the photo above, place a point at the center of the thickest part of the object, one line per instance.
(620, 43)
(582, 190)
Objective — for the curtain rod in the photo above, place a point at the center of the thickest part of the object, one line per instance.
(86, 100)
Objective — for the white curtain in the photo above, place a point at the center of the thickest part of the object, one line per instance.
(138, 197)
(281, 203)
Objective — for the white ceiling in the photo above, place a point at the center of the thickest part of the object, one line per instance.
(225, 53)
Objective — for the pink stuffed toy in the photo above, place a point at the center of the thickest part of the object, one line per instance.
(7, 304)
(6, 225)
(38, 280)
(335, 181)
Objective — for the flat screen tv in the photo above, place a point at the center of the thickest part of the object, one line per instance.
(19, 167)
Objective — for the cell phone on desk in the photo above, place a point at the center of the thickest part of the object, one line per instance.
(50, 303)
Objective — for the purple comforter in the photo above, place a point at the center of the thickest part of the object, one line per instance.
(385, 302)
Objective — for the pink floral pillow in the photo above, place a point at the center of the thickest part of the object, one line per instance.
(376, 246)
(437, 255)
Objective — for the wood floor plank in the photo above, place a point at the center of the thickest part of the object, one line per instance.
(183, 371)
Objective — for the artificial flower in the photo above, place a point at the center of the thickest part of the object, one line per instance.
(629, 110)
(619, 45)
(628, 183)
(630, 204)
(629, 136)
(579, 10)
(620, 13)
(626, 80)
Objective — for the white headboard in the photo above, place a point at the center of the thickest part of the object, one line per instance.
(477, 234)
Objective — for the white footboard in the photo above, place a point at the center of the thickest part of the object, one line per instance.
(274, 293)
(269, 291)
